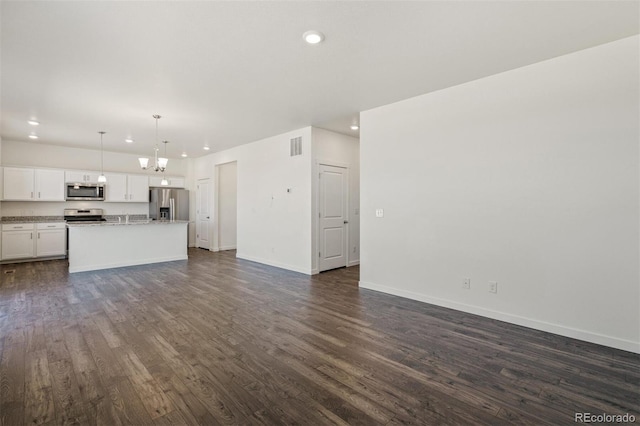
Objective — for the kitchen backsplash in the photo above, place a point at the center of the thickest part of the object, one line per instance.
(32, 208)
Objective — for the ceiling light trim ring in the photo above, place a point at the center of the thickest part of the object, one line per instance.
(313, 37)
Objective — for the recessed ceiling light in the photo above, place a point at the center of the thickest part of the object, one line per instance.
(128, 140)
(354, 127)
(313, 37)
(33, 122)
(184, 154)
(33, 136)
(206, 148)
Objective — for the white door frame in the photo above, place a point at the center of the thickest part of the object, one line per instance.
(198, 201)
(316, 213)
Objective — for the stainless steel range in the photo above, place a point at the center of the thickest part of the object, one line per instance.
(84, 215)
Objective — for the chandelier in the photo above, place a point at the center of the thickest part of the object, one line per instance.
(160, 163)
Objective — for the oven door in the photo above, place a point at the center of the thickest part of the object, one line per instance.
(82, 192)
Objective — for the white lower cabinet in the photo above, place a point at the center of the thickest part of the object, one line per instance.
(17, 241)
(33, 240)
(51, 239)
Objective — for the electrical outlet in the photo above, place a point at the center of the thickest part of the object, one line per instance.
(379, 213)
(466, 283)
(354, 249)
(493, 286)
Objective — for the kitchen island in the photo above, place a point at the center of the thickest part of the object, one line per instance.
(113, 244)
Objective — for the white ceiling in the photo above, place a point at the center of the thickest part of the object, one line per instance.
(228, 73)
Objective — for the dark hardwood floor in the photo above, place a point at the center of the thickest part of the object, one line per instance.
(216, 340)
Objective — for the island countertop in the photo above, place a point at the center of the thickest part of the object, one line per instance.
(123, 223)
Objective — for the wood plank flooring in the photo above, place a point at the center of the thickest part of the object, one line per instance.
(215, 340)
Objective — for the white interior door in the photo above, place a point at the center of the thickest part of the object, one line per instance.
(203, 214)
(333, 217)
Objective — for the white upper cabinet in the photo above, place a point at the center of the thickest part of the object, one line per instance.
(115, 190)
(138, 187)
(33, 184)
(81, 176)
(126, 188)
(173, 182)
(49, 185)
(18, 183)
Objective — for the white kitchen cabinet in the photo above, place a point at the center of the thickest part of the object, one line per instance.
(50, 239)
(138, 186)
(18, 183)
(17, 241)
(49, 185)
(173, 182)
(115, 190)
(23, 184)
(126, 188)
(33, 240)
(81, 176)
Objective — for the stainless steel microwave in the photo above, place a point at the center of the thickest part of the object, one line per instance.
(84, 192)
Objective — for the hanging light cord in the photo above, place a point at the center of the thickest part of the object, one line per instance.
(101, 153)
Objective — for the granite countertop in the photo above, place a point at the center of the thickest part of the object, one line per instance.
(31, 219)
(131, 222)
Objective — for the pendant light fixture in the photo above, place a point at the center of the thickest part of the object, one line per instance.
(164, 181)
(160, 163)
(102, 178)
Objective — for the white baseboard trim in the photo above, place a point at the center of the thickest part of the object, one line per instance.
(223, 248)
(587, 336)
(353, 263)
(272, 263)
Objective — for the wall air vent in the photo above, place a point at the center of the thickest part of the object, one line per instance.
(296, 146)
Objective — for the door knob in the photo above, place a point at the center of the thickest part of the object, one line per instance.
(346, 221)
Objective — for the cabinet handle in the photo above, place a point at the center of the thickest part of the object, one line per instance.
(39, 194)
(31, 236)
(38, 235)
(18, 227)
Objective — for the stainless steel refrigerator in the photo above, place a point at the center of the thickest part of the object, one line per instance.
(168, 204)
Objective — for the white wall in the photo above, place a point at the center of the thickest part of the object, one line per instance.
(227, 206)
(342, 150)
(41, 155)
(529, 178)
(274, 226)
